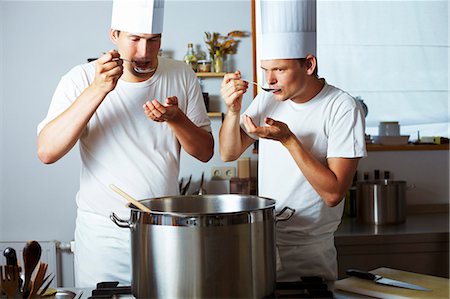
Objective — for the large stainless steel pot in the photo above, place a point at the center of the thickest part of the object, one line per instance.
(204, 246)
(381, 202)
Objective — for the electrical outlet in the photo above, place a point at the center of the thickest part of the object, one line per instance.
(223, 173)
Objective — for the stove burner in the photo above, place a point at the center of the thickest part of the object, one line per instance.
(110, 289)
(307, 287)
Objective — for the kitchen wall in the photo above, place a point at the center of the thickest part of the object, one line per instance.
(426, 173)
(42, 40)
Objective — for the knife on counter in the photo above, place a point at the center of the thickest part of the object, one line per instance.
(382, 280)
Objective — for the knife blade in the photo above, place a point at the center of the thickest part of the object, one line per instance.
(382, 280)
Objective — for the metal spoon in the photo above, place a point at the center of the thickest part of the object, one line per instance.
(265, 88)
(137, 69)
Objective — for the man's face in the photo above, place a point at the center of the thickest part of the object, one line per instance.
(141, 51)
(287, 75)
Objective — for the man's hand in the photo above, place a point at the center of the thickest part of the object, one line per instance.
(161, 113)
(232, 90)
(108, 69)
(275, 130)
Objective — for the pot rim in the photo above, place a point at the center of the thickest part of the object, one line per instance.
(270, 204)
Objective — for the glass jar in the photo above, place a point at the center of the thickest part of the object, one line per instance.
(190, 57)
(204, 66)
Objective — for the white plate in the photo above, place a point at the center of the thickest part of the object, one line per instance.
(391, 140)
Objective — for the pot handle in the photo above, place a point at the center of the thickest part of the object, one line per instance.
(120, 222)
(279, 216)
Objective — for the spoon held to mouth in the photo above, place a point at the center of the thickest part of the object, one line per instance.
(124, 59)
(264, 88)
(133, 63)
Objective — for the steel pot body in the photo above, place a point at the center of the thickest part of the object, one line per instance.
(381, 202)
(203, 246)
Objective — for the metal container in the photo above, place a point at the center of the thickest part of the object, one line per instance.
(381, 202)
(203, 246)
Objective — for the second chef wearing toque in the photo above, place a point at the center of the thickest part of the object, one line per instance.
(130, 112)
(311, 137)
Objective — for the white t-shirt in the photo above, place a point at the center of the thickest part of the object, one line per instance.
(121, 145)
(329, 125)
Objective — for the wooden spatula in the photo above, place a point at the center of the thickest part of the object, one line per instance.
(31, 256)
(38, 279)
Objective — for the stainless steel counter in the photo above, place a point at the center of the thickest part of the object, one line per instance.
(430, 223)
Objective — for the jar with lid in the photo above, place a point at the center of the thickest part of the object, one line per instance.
(204, 66)
(190, 57)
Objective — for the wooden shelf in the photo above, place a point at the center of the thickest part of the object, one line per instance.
(210, 75)
(215, 114)
(403, 147)
(407, 147)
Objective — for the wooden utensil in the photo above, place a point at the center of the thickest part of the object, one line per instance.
(38, 279)
(130, 199)
(9, 280)
(31, 256)
(44, 288)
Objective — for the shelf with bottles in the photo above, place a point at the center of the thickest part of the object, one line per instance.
(202, 69)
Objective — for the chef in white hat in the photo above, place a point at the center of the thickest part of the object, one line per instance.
(131, 112)
(310, 133)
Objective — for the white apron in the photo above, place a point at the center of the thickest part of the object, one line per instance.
(312, 259)
(102, 251)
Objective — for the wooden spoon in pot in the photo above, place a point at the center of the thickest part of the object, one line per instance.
(130, 199)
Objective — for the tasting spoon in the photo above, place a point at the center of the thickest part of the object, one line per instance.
(264, 88)
(137, 69)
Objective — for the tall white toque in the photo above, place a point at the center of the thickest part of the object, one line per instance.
(287, 28)
(138, 16)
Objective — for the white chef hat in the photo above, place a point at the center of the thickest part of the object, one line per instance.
(287, 28)
(138, 16)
